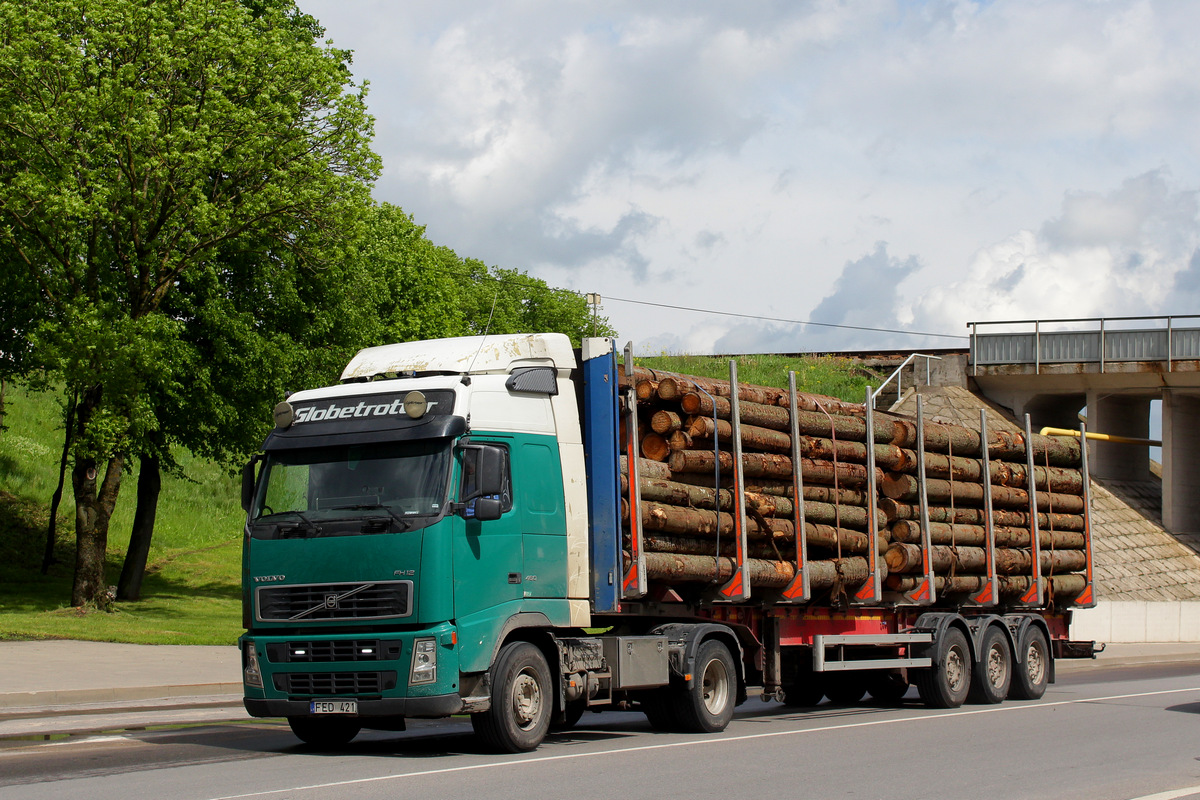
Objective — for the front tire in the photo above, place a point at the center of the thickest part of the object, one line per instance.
(324, 732)
(707, 705)
(947, 683)
(522, 703)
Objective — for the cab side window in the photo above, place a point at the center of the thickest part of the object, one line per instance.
(470, 462)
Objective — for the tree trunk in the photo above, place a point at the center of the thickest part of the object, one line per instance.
(48, 559)
(93, 509)
(129, 587)
(94, 503)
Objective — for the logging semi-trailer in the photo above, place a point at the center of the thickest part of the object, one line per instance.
(503, 527)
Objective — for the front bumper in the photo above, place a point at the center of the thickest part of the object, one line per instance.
(437, 706)
(373, 669)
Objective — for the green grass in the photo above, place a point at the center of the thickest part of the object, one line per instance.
(836, 377)
(191, 593)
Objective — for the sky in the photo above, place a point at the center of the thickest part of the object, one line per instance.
(900, 166)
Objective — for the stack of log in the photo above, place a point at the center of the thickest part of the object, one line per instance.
(958, 490)
(685, 434)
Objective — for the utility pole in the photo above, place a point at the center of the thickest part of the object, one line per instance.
(593, 300)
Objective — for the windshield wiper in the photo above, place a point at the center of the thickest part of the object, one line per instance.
(311, 526)
(401, 521)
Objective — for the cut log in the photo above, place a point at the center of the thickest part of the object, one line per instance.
(1061, 587)
(965, 515)
(647, 469)
(902, 557)
(900, 486)
(655, 447)
(664, 422)
(771, 465)
(678, 568)
(976, 535)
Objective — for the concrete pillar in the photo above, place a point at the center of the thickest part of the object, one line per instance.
(1119, 415)
(1181, 461)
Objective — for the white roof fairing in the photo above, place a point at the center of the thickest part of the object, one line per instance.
(475, 355)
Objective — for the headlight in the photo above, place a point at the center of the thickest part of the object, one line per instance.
(251, 674)
(424, 663)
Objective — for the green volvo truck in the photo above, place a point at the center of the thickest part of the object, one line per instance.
(443, 533)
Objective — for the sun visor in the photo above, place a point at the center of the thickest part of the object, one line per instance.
(361, 419)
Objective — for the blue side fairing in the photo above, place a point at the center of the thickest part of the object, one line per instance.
(601, 457)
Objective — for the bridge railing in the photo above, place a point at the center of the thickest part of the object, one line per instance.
(1087, 340)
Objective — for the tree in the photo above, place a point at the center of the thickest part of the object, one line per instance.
(137, 140)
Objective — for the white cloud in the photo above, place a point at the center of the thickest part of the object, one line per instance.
(750, 157)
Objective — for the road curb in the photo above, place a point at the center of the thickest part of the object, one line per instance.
(15, 701)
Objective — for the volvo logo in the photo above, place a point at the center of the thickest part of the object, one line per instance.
(331, 600)
(268, 578)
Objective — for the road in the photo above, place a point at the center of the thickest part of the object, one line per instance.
(1131, 732)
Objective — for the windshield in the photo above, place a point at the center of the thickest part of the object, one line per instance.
(344, 490)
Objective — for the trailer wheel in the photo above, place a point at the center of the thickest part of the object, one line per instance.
(947, 683)
(1032, 674)
(324, 732)
(804, 695)
(845, 688)
(992, 675)
(887, 686)
(707, 705)
(521, 701)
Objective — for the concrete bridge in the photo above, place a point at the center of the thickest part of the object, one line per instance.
(1116, 367)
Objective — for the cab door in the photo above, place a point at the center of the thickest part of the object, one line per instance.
(488, 556)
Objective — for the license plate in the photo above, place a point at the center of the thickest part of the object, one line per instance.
(333, 707)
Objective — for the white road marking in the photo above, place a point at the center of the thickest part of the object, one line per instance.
(1170, 795)
(715, 740)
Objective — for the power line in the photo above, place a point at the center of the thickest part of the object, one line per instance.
(789, 321)
(511, 281)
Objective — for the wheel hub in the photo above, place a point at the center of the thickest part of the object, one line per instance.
(715, 687)
(997, 666)
(527, 700)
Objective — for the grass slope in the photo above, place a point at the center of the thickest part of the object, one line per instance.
(192, 593)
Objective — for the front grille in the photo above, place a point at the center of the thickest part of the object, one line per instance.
(335, 601)
(324, 684)
(323, 651)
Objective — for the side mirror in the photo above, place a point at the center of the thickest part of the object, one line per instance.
(248, 485)
(490, 477)
(487, 509)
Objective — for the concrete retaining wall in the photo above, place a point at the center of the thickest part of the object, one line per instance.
(1138, 621)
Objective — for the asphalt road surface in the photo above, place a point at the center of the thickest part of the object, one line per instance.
(1126, 733)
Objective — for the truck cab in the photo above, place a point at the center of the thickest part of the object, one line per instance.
(401, 524)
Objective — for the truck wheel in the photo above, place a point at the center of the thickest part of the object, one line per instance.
(845, 688)
(947, 682)
(521, 701)
(660, 711)
(571, 717)
(886, 686)
(992, 675)
(804, 695)
(707, 705)
(324, 732)
(1032, 674)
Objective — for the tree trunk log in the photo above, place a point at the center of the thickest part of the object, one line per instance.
(976, 535)
(900, 486)
(963, 515)
(770, 465)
